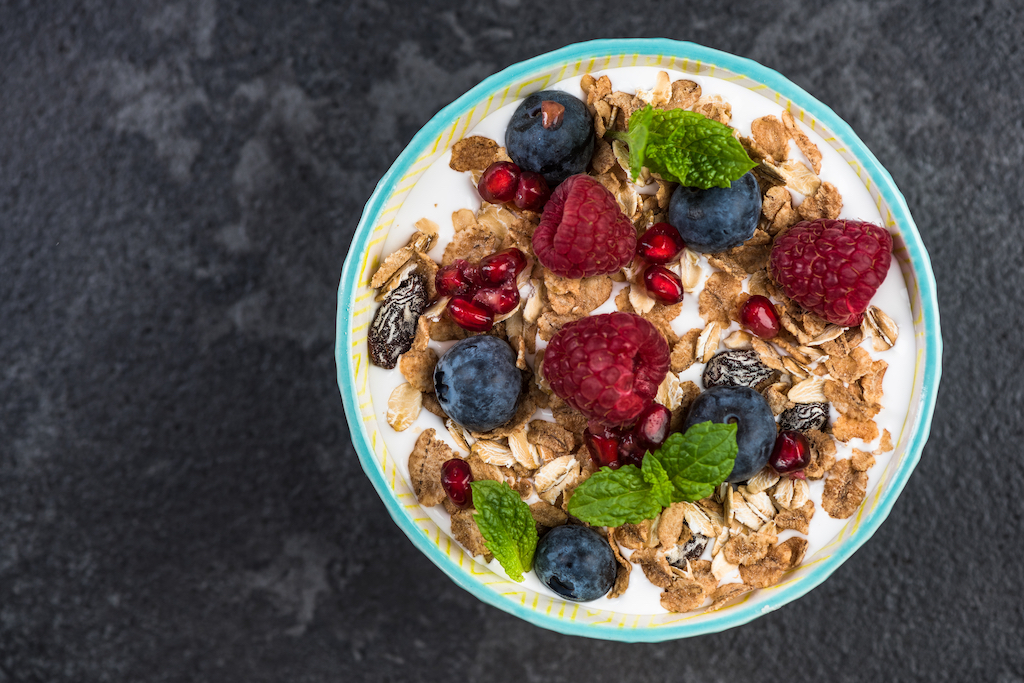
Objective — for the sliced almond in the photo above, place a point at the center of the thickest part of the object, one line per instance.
(720, 567)
(707, 342)
(828, 334)
(720, 541)
(745, 514)
(690, 271)
(494, 453)
(404, 406)
(883, 330)
(639, 299)
(628, 199)
(534, 305)
(798, 177)
(738, 340)
(783, 493)
(698, 520)
(522, 450)
(553, 473)
(668, 390)
(798, 370)
(760, 502)
(725, 494)
(767, 353)
(621, 151)
(812, 353)
(763, 480)
(652, 535)
(810, 390)
(538, 373)
(801, 494)
(436, 309)
(457, 433)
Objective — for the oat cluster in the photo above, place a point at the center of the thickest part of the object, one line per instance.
(812, 362)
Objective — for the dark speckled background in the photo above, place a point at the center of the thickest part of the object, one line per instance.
(179, 498)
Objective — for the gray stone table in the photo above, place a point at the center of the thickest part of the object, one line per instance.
(179, 496)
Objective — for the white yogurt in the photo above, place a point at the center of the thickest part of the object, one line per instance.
(440, 191)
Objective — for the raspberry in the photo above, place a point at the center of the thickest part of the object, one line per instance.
(607, 366)
(832, 267)
(582, 232)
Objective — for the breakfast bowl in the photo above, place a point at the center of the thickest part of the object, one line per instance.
(416, 188)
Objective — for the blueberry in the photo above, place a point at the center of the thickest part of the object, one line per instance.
(477, 383)
(718, 218)
(575, 562)
(557, 151)
(755, 425)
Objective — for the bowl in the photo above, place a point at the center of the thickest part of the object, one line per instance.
(355, 310)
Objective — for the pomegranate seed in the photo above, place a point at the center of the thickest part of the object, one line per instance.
(660, 244)
(470, 315)
(604, 448)
(652, 426)
(471, 271)
(455, 479)
(663, 284)
(451, 280)
(791, 452)
(497, 300)
(759, 315)
(631, 450)
(502, 267)
(499, 182)
(533, 191)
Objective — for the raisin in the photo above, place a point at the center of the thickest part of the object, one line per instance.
(804, 417)
(394, 325)
(739, 368)
(691, 550)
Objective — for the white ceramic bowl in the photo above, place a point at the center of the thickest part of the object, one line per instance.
(355, 310)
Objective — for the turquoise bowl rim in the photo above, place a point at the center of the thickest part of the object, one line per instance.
(918, 257)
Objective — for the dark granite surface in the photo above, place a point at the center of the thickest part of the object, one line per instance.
(179, 497)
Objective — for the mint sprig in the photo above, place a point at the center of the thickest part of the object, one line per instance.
(700, 460)
(686, 467)
(613, 497)
(506, 525)
(683, 147)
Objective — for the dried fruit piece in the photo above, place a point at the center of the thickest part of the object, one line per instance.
(394, 324)
(804, 417)
(739, 367)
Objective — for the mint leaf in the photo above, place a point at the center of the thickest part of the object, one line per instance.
(614, 497)
(684, 147)
(655, 475)
(699, 460)
(506, 524)
(639, 128)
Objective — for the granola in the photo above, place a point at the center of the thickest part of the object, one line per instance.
(544, 457)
